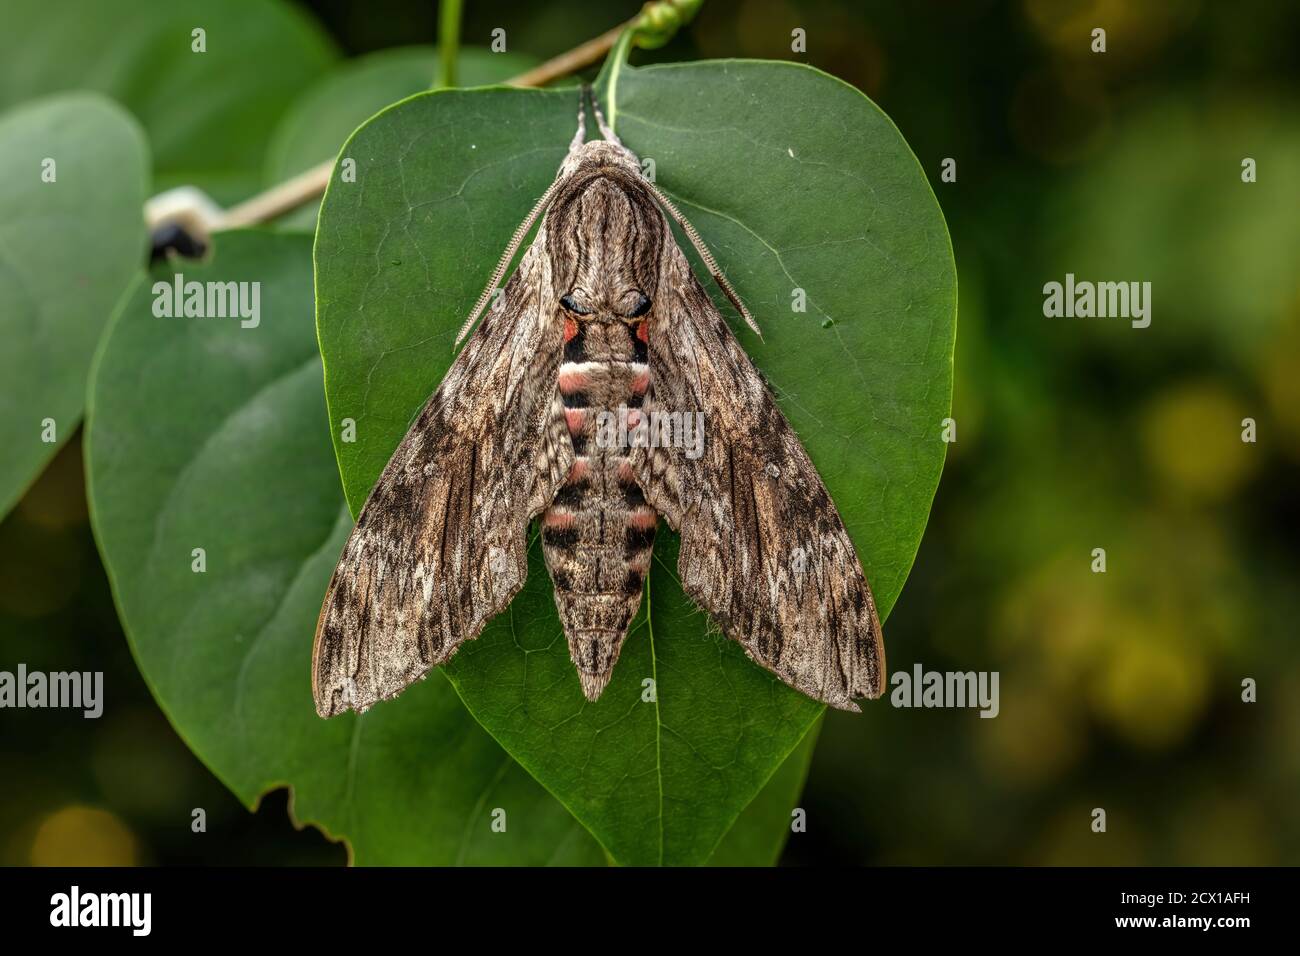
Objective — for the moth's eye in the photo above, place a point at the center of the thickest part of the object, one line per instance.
(568, 303)
(641, 308)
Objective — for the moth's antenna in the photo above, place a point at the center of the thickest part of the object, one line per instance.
(511, 248)
(705, 256)
(581, 134)
(605, 131)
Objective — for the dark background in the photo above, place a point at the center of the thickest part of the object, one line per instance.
(1120, 690)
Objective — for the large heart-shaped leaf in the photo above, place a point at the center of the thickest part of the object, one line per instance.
(321, 120)
(203, 434)
(208, 114)
(73, 177)
(805, 191)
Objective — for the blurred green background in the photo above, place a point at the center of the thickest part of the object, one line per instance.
(1119, 690)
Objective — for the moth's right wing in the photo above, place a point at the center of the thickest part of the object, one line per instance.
(441, 544)
(763, 548)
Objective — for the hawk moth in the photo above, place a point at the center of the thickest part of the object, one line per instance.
(603, 311)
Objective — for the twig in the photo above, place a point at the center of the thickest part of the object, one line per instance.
(279, 199)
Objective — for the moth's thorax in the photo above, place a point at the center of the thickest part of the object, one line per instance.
(605, 234)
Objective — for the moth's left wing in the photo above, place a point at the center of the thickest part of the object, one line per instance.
(763, 549)
(440, 546)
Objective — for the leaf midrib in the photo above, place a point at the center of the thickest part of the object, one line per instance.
(659, 728)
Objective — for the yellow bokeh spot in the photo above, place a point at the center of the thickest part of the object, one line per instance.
(1192, 437)
(83, 836)
(1151, 690)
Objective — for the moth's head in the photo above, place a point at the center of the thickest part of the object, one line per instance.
(600, 153)
(604, 235)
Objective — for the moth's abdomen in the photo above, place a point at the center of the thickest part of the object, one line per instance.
(598, 534)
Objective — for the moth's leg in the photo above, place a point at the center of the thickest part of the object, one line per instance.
(605, 131)
(581, 134)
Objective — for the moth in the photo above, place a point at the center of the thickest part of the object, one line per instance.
(603, 312)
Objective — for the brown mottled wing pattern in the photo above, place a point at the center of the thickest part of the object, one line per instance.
(763, 549)
(440, 546)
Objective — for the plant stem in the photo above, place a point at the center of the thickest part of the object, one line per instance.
(615, 63)
(448, 41)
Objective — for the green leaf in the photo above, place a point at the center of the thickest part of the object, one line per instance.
(68, 249)
(208, 115)
(203, 434)
(321, 120)
(797, 181)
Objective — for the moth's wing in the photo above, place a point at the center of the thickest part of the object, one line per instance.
(440, 546)
(763, 549)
